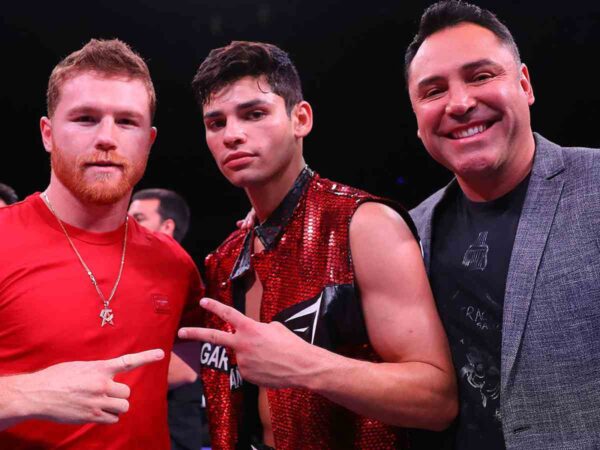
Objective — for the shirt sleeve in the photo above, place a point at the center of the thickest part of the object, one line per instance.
(192, 312)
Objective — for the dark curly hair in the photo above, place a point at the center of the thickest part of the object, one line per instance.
(239, 59)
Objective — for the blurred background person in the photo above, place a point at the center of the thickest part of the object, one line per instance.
(165, 211)
(161, 210)
(8, 196)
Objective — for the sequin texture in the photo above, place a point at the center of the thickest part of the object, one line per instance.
(310, 253)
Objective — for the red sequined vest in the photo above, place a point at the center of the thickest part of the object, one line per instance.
(308, 269)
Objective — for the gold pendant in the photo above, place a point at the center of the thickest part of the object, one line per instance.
(107, 316)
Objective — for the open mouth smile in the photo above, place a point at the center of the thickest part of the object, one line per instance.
(469, 131)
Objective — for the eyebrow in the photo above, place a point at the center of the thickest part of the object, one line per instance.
(429, 80)
(479, 63)
(242, 106)
(88, 109)
(464, 68)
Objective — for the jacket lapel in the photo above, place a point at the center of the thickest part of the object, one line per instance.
(541, 202)
(427, 228)
(425, 237)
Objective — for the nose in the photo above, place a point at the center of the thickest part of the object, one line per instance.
(234, 134)
(106, 137)
(460, 100)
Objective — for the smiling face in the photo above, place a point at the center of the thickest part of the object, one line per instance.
(99, 136)
(250, 134)
(471, 99)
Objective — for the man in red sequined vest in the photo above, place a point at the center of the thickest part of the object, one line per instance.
(324, 333)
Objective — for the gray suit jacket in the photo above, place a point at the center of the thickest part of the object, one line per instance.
(550, 368)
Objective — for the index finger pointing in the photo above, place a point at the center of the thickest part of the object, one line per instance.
(133, 360)
(230, 315)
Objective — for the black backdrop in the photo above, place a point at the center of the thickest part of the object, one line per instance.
(349, 55)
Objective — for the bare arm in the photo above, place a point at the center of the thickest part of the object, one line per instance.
(71, 392)
(414, 386)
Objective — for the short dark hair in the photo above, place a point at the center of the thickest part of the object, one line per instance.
(171, 206)
(239, 59)
(449, 13)
(108, 57)
(8, 194)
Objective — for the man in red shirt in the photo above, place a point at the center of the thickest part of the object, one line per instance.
(89, 298)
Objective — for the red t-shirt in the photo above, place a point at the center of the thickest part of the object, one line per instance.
(49, 313)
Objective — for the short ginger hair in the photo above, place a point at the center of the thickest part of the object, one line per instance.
(107, 57)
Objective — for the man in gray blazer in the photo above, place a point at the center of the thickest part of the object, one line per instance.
(512, 244)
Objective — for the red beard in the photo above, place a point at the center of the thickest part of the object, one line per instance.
(103, 189)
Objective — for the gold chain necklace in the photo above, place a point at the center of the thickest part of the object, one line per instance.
(106, 314)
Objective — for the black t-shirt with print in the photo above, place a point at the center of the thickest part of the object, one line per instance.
(470, 254)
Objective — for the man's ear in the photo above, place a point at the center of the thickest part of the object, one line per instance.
(525, 82)
(46, 131)
(302, 118)
(153, 134)
(167, 226)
